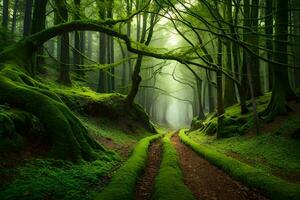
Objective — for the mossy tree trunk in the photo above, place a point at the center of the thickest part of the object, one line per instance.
(67, 135)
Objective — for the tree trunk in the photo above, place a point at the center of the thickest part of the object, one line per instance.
(229, 90)
(296, 47)
(220, 103)
(254, 40)
(269, 33)
(77, 58)
(244, 79)
(102, 83)
(5, 13)
(38, 24)
(14, 19)
(201, 114)
(64, 71)
(27, 18)
(136, 78)
(281, 90)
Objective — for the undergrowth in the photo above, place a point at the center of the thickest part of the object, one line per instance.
(56, 179)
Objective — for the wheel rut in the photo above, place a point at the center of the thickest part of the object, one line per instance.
(206, 181)
(144, 186)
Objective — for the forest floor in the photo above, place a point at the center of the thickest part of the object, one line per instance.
(206, 181)
(144, 187)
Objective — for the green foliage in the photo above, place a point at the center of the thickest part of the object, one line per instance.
(56, 179)
(122, 185)
(271, 186)
(168, 183)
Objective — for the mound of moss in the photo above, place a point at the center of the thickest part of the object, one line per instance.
(15, 126)
(169, 181)
(67, 136)
(111, 105)
(122, 185)
(234, 123)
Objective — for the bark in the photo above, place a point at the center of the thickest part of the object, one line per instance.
(5, 13)
(296, 48)
(77, 58)
(38, 24)
(229, 90)
(27, 17)
(136, 78)
(254, 40)
(244, 79)
(14, 19)
(64, 71)
(220, 103)
(201, 114)
(269, 33)
(102, 83)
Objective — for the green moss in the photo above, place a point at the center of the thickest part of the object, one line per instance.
(123, 182)
(168, 183)
(271, 186)
(234, 123)
(55, 179)
(68, 137)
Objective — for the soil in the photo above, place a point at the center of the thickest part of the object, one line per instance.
(123, 150)
(206, 181)
(145, 184)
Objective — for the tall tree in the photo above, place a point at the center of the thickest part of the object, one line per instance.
(102, 83)
(38, 24)
(136, 77)
(269, 34)
(281, 89)
(229, 87)
(296, 32)
(14, 19)
(64, 70)
(5, 13)
(27, 17)
(77, 58)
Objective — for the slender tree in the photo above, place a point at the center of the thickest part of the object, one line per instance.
(64, 70)
(5, 13)
(27, 17)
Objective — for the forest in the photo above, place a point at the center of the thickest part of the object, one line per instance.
(149, 99)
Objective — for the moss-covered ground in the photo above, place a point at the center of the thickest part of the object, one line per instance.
(275, 149)
(37, 113)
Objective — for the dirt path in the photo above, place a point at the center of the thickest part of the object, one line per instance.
(207, 181)
(145, 184)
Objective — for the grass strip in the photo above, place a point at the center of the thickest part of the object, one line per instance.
(168, 183)
(122, 185)
(269, 185)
